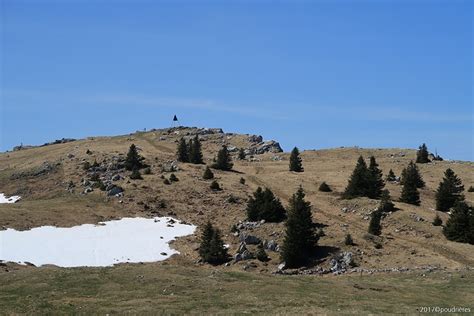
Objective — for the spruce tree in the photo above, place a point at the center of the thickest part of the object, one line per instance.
(410, 192)
(133, 160)
(212, 248)
(223, 161)
(182, 151)
(422, 154)
(241, 154)
(218, 253)
(391, 176)
(215, 186)
(300, 238)
(412, 171)
(254, 205)
(374, 226)
(460, 223)
(359, 181)
(386, 204)
(136, 175)
(324, 187)
(264, 205)
(195, 151)
(348, 241)
(208, 174)
(206, 237)
(449, 191)
(295, 161)
(376, 183)
(261, 254)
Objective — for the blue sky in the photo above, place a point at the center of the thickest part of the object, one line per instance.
(312, 74)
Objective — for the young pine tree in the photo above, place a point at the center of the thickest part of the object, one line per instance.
(324, 187)
(215, 186)
(374, 226)
(261, 254)
(300, 238)
(412, 172)
(391, 176)
(410, 192)
(295, 161)
(359, 180)
(241, 154)
(206, 237)
(449, 191)
(348, 241)
(422, 154)
(136, 175)
(133, 160)
(223, 161)
(264, 205)
(182, 151)
(195, 151)
(212, 248)
(376, 183)
(386, 204)
(208, 174)
(460, 224)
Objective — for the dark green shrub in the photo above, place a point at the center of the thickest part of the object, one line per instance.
(215, 186)
(324, 187)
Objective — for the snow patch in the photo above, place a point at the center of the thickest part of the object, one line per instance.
(108, 243)
(11, 199)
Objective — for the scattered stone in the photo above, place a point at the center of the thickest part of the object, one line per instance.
(249, 239)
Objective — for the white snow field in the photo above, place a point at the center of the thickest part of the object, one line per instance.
(11, 199)
(125, 240)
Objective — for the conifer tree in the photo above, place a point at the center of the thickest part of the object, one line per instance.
(136, 174)
(182, 151)
(195, 151)
(348, 241)
(215, 186)
(255, 204)
(206, 237)
(295, 161)
(376, 182)
(212, 248)
(218, 253)
(359, 181)
(460, 223)
(324, 187)
(241, 154)
(264, 205)
(449, 191)
(223, 161)
(422, 154)
(300, 238)
(261, 254)
(133, 160)
(374, 226)
(412, 171)
(391, 176)
(208, 174)
(410, 192)
(386, 204)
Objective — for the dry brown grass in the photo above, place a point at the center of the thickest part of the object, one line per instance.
(406, 242)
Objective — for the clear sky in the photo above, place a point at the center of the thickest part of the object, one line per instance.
(312, 74)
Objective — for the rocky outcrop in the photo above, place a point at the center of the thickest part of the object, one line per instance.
(249, 239)
(269, 146)
(342, 262)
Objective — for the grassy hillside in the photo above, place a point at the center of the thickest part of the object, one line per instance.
(408, 239)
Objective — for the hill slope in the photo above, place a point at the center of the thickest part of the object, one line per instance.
(50, 180)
